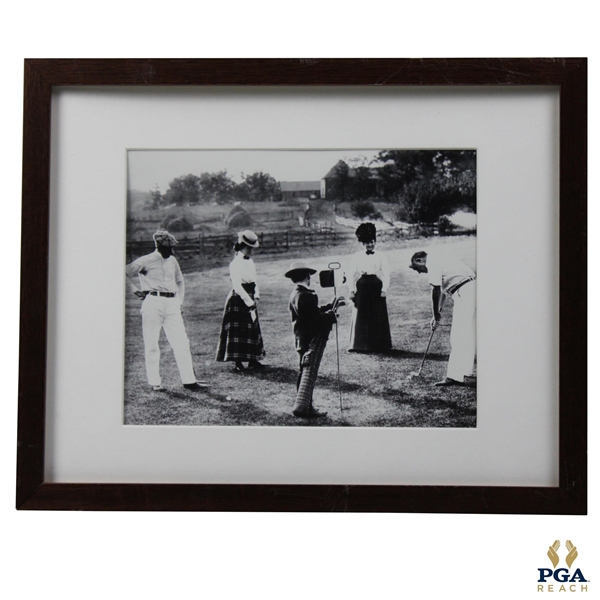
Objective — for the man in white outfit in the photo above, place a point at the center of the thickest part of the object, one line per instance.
(162, 291)
(450, 277)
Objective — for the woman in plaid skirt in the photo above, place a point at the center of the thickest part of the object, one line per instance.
(240, 338)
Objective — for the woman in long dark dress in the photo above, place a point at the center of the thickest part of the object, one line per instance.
(241, 340)
(369, 281)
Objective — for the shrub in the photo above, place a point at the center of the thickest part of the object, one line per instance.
(364, 209)
(445, 225)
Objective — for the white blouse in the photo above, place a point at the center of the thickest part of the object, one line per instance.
(242, 270)
(446, 271)
(157, 274)
(369, 264)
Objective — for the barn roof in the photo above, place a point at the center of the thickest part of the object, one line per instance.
(300, 186)
(340, 164)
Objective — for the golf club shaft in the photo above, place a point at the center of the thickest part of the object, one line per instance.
(337, 348)
(426, 351)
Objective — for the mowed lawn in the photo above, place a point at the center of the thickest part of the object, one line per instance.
(376, 390)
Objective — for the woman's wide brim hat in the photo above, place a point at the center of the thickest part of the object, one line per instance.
(249, 238)
(300, 266)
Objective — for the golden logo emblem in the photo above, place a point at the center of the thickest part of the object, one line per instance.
(553, 553)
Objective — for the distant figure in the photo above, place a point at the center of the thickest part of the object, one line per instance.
(311, 324)
(162, 291)
(240, 338)
(452, 278)
(369, 281)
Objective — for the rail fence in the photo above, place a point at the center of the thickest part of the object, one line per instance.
(221, 245)
(209, 246)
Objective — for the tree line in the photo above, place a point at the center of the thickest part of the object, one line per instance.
(423, 185)
(217, 187)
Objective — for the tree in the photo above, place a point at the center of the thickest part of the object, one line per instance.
(217, 187)
(156, 198)
(362, 185)
(191, 189)
(403, 167)
(183, 190)
(426, 184)
(259, 187)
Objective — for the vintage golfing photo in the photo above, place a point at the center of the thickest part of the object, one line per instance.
(295, 288)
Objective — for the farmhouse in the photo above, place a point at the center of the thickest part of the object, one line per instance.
(337, 179)
(332, 184)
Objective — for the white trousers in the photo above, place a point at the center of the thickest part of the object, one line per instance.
(463, 335)
(160, 312)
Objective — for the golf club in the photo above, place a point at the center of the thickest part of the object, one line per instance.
(426, 351)
(334, 266)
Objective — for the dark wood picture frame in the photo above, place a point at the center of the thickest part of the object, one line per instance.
(570, 497)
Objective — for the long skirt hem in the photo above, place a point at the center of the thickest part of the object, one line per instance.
(240, 338)
(370, 329)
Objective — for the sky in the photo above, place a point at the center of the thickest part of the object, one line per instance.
(149, 168)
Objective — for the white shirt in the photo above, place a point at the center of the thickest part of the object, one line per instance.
(447, 271)
(369, 264)
(157, 274)
(243, 270)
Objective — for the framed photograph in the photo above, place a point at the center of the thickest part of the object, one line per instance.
(239, 234)
(304, 285)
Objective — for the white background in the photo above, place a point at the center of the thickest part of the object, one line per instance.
(135, 555)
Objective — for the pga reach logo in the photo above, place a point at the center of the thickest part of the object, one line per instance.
(562, 579)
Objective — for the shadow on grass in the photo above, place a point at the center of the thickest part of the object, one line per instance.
(397, 353)
(277, 374)
(285, 375)
(220, 409)
(462, 406)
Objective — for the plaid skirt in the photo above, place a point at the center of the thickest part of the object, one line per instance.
(240, 337)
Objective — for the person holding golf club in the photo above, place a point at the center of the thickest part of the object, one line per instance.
(312, 325)
(452, 278)
(369, 281)
(162, 292)
(240, 339)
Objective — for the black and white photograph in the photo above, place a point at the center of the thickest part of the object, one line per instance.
(125, 128)
(297, 288)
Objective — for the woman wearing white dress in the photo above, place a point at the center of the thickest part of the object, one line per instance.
(369, 281)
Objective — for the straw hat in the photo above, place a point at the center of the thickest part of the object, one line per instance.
(249, 238)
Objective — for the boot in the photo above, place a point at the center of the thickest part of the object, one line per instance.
(308, 411)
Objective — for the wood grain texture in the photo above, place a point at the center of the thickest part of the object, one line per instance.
(514, 71)
(573, 284)
(302, 498)
(41, 75)
(34, 284)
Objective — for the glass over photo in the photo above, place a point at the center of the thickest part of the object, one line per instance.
(301, 288)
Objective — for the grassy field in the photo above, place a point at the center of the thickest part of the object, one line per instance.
(375, 389)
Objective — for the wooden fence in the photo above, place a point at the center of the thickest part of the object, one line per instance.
(222, 245)
(272, 242)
